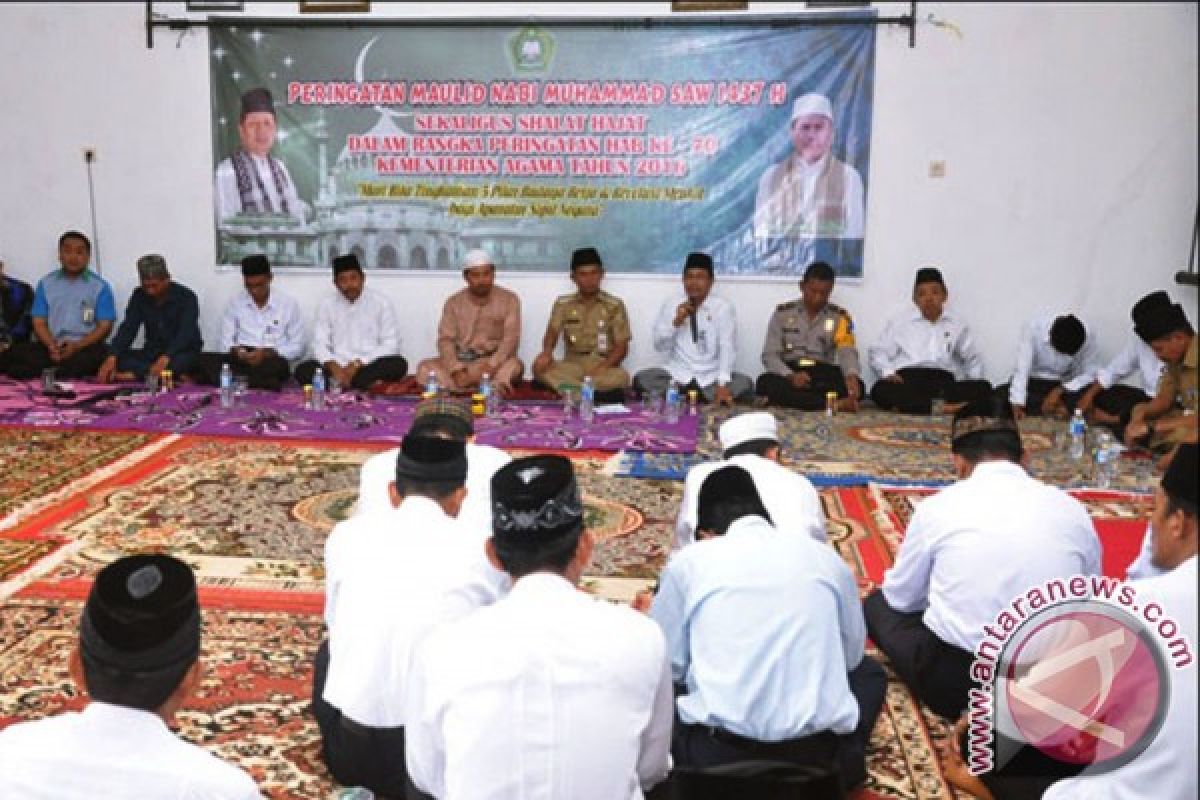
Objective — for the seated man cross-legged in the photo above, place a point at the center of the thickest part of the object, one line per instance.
(262, 332)
(968, 551)
(926, 353)
(595, 333)
(697, 334)
(170, 314)
(73, 313)
(478, 334)
(766, 640)
(356, 339)
(809, 350)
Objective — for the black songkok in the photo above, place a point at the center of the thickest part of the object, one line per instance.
(1161, 322)
(1179, 481)
(258, 100)
(346, 263)
(699, 261)
(1151, 302)
(535, 500)
(585, 257)
(431, 459)
(255, 265)
(142, 615)
(1067, 335)
(929, 275)
(726, 485)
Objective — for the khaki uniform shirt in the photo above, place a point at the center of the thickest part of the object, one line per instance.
(1178, 381)
(580, 323)
(469, 331)
(792, 338)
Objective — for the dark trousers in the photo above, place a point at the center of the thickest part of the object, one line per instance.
(939, 674)
(921, 385)
(356, 754)
(138, 362)
(1119, 401)
(271, 374)
(702, 746)
(823, 378)
(1036, 391)
(28, 359)
(388, 368)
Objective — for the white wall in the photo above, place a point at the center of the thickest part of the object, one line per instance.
(1069, 134)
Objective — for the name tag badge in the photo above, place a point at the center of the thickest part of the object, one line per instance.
(829, 326)
(89, 315)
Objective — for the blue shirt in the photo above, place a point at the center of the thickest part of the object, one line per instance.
(171, 328)
(73, 306)
(763, 628)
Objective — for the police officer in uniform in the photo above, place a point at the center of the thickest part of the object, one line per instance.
(594, 329)
(809, 350)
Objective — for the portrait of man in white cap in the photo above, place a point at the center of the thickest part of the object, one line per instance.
(811, 193)
(252, 181)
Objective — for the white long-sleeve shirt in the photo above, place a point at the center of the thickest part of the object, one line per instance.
(362, 331)
(762, 628)
(710, 358)
(548, 693)
(973, 547)
(389, 579)
(278, 325)
(1136, 358)
(113, 752)
(789, 497)
(1037, 358)
(910, 340)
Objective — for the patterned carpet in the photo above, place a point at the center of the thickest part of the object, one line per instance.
(252, 518)
(38, 462)
(873, 446)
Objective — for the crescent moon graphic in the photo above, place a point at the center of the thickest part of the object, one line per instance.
(358, 77)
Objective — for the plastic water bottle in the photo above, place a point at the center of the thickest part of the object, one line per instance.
(601, 338)
(587, 400)
(431, 384)
(491, 400)
(674, 403)
(318, 384)
(226, 386)
(1106, 465)
(1077, 435)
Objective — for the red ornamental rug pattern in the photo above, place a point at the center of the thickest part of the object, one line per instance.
(252, 708)
(37, 464)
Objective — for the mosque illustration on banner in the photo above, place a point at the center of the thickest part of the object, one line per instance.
(384, 232)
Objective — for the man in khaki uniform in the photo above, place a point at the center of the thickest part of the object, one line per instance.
(810, 350)
(594, 328)
(1170, 418)
(478, 333)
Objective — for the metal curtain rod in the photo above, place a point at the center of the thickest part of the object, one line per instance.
(154, 21)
